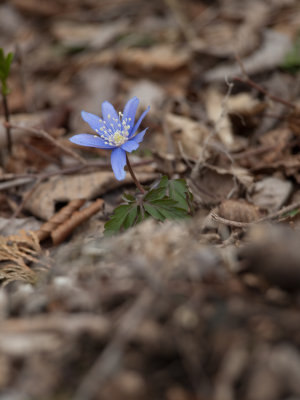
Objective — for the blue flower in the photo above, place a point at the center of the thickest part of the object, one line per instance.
(116, 132)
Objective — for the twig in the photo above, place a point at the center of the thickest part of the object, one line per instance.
(15, 183)
(59, 218)
(45, 135)
(269, 217)
(139, 186)
(16, 180)
(6, 114)
(253, 152)
(65, 229)
(247, 80)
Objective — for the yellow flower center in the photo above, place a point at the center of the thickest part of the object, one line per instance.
(115, 133)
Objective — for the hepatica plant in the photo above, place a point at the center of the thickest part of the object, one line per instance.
(118, 132)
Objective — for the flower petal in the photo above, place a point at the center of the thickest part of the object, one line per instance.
(139, 137)
(130, 146)
(109, 114)
(93, 120)
(118, 162)
(136, 126)
(130, 111)
(83, 139)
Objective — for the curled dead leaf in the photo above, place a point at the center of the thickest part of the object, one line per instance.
(214, 184)
(60, 217)
(59, 234)
(238, 210)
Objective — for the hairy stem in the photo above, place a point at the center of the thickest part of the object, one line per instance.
(8, 133)
(138, 185)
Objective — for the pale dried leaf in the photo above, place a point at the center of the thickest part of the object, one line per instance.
(215, 107)
(96, 36)
(16, 224)
(161, 58)
(191, 134)
(149, 93)
(270, 193)
(244, 104)
(97, 85)
(275, 46)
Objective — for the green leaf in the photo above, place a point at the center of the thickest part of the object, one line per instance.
(154, 212)
(155, 194)
(131, 216)
(291, 61)
(117, 220)
(168, 199)
(291, 214)
(140, 215)
(8, 62)
(164, 182)
(128, 198)
(165, 208)
(178, 191)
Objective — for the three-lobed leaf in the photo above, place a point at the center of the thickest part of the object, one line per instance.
(122, 217)
(167, 199)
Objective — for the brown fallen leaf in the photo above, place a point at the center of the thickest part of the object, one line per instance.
(97, 36)
(294, 121)
(279, 139)
(38, 8)
(238, 210)
(214, 184)
(162, 58)
(222, 38)
(82, 186)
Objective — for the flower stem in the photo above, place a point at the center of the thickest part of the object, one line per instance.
(138, 185)
(8, 134)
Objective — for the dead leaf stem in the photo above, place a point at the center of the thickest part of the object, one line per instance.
(49, 138)
(247, 80)
(274, 215)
